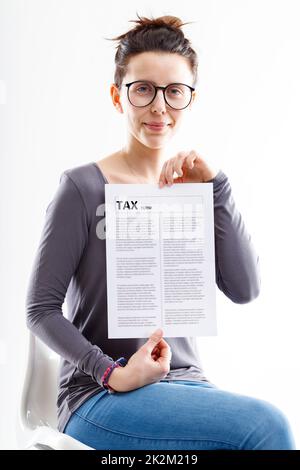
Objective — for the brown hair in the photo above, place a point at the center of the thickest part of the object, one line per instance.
(153, 34)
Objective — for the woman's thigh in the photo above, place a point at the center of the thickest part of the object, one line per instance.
(179, 415)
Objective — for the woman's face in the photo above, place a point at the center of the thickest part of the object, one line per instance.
(161, 69)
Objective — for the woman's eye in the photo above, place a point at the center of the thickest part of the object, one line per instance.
(175, 90)
(143, 89)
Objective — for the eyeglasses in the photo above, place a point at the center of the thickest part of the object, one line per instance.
(142, 93)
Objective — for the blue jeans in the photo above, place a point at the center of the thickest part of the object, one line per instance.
(179, 415)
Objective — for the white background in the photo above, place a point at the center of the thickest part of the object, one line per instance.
(56, 113)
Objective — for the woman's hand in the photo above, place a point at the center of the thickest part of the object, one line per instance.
(149, 364)
(190, 168)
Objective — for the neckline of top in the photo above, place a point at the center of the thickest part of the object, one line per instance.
(100, 172)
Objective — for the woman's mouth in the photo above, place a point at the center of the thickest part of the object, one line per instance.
(156, 127)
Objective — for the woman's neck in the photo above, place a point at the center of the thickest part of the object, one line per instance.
(143, 162)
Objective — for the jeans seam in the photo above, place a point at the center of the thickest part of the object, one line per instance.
(151, 438)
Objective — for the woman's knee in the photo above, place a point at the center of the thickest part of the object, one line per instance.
(272, 429)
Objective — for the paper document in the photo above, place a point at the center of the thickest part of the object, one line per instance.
(160, 260)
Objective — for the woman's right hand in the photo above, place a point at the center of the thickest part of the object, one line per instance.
(149, 364)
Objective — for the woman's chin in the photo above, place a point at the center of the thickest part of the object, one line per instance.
(156, 142)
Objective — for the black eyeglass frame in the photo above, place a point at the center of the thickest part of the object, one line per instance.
(163, 88)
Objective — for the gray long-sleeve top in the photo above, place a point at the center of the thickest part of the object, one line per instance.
(70, 264)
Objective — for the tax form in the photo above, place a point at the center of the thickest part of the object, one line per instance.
(160, 260)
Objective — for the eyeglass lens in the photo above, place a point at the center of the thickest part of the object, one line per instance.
(177, 96)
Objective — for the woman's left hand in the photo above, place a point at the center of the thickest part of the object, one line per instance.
(190, 168)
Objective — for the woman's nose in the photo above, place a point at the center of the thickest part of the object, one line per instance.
(159, 103)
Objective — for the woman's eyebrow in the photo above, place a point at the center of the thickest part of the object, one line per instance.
(148, 80)
(154, 83)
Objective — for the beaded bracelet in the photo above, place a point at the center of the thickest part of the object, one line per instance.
(121, 362)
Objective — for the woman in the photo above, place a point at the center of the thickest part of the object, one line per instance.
(159, 397)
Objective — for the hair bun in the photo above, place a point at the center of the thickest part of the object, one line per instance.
(167, 20)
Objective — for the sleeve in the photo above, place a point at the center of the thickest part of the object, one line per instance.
(237, 263)
(63, 240)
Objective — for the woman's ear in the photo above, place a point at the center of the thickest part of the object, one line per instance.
(115, 96)
(192, 100)
(194, 94)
